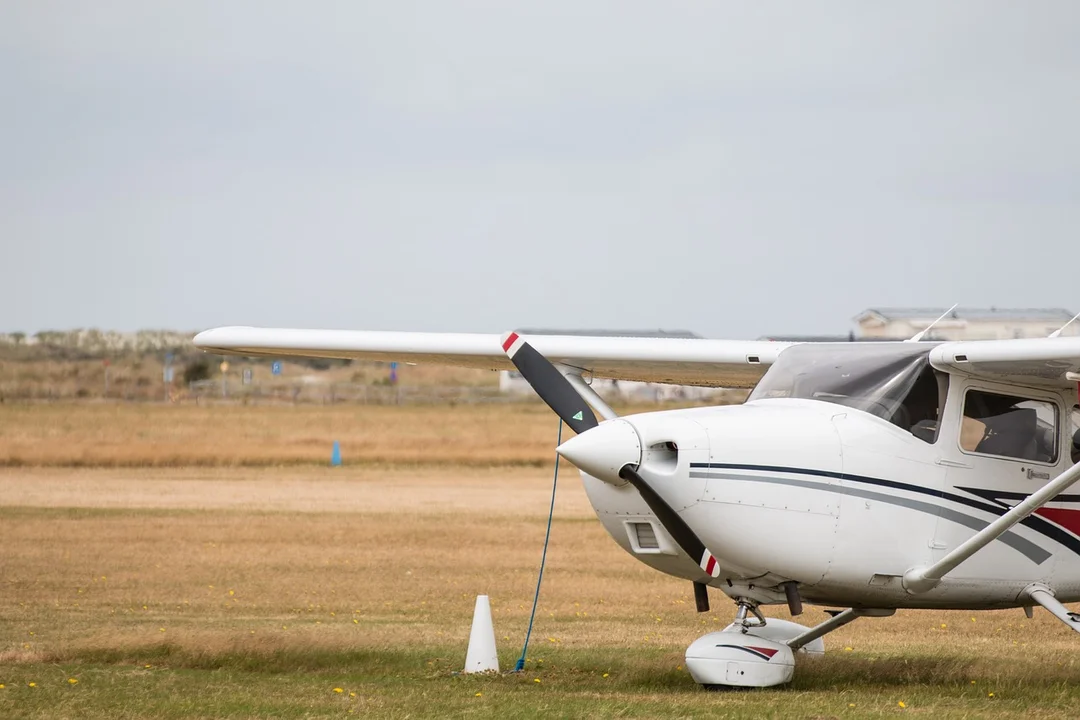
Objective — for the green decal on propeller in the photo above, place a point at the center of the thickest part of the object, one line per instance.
(578, 416)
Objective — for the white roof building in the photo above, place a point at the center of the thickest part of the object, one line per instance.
(964, 323)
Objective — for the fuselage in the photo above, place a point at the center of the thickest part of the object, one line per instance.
(844, 502)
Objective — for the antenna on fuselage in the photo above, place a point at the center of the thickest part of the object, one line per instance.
(919, 335)
(1057, 332)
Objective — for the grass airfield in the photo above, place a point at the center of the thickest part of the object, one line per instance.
(243, 579)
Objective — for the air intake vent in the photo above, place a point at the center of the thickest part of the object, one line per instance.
(646, 536)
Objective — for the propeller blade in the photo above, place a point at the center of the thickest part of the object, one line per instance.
(549, 384)
(675, 525)
(560, 395)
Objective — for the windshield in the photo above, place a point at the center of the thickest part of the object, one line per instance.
(893, 381)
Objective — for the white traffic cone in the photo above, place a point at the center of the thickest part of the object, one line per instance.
(482, 656)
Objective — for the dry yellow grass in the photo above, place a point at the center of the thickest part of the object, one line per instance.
(160, 435)
(210, 552)
(137, 435)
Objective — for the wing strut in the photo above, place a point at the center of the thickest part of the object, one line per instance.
(1045, 597)
(837, 619)
(921, 579)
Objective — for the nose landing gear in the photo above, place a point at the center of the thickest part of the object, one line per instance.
(741, 655)
(755, 652)
(747, 615)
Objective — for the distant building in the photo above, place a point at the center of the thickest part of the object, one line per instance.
(850, 337)
(897, 323)
(510, 381)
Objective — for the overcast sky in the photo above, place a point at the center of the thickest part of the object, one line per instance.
(735, 169)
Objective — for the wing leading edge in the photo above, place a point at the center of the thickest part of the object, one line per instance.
(683, 361)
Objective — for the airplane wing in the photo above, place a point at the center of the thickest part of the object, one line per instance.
(682, 361)
(1039, 361)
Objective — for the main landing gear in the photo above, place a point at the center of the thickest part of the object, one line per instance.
(755, 652)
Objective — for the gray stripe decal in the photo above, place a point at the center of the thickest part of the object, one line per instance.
(1022, 545)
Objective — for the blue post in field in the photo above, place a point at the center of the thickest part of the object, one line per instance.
(335, 455)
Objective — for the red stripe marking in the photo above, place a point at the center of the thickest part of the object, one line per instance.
(768, 652)
(1068, 519)
(709, 566)
(510, 341)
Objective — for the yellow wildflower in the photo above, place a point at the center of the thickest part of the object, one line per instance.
(338, 690)
(73, 681)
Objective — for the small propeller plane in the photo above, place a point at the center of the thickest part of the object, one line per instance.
(860, 476)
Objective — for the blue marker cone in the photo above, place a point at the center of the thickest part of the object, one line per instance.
(335, 455)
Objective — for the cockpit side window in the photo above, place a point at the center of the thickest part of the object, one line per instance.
(1009, 426)
(923, 404)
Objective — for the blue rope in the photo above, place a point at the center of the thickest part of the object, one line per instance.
(543, 559)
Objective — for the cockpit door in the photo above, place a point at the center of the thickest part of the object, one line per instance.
(999, 443)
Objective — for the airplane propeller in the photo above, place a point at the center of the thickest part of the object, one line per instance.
(560, 395)
(549, 384)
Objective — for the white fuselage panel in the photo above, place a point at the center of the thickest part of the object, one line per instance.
(834, 498)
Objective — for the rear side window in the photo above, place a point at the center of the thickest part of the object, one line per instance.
(1009, 426)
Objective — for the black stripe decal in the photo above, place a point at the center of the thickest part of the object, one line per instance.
(996, 496)
(1032, 522)
(1025, 547)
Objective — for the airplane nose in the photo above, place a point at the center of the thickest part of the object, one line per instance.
(604, 450)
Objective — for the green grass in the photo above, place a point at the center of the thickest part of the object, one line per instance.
(170, 682)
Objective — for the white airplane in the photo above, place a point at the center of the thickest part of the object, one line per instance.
(861, 476)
